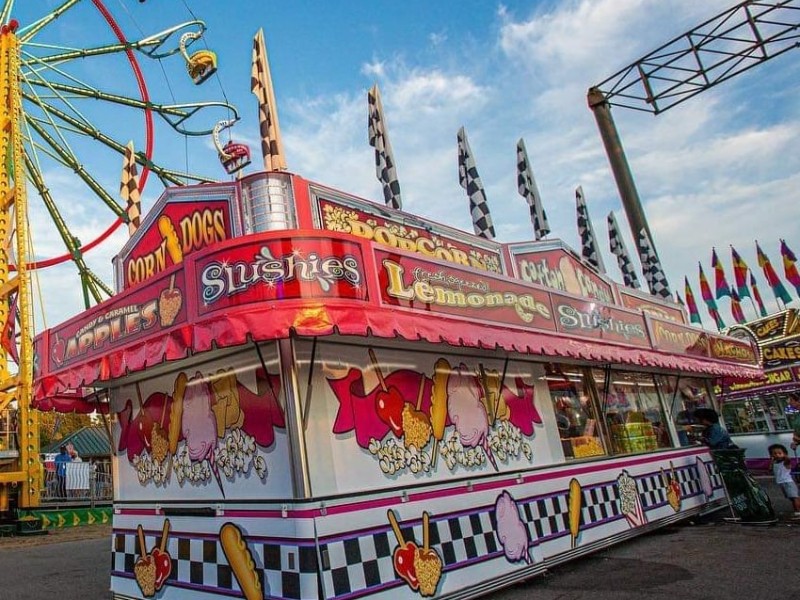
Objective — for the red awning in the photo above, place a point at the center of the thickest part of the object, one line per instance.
(55, 390)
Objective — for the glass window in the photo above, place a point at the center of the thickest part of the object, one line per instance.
(576, 412)
(632, 410)
(755, 414)
(682, 396)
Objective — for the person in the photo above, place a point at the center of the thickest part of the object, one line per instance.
(713, 435)
(794, 419)
(61, 471)
(782, 469)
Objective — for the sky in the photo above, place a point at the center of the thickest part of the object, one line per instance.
(720, 169)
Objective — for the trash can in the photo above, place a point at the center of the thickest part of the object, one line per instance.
(749, 501)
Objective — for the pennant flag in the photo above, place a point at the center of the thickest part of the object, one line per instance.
(720, 281)
(526, 185)
(691, 304)
(589, 249)
(740, 269)
(129, 190)
(772, 277)
(9, 338)
(757, 295)
(261, 86)
(385, 168)
(470, 180)
(678, 299)
(708, 298)
(618, 249)
(651, 267)
(736, 308)
(790, 266)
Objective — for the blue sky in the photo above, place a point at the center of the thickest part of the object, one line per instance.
(722, 168)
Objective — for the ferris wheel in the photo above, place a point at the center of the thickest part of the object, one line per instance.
(84, 96)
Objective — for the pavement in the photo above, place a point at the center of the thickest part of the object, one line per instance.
(696, 560)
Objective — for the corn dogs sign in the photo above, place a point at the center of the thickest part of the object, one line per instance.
(180, 229)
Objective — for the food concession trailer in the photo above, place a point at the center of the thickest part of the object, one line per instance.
(314, 396)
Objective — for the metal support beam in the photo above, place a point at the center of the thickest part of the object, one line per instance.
(619, 166)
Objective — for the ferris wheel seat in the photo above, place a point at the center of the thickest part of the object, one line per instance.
(235, 157)
(202, 65)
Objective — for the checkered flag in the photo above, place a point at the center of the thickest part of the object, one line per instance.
(261, 86)
(618, 249)
(651, 267)
(528, 190)
(385, 168)
(589, 249)
(470, 180)
(129, 189)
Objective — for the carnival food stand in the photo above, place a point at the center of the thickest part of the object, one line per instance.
(756, 409)
(313, 396)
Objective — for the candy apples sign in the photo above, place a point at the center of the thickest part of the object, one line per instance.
(115, 323)
(559, 270)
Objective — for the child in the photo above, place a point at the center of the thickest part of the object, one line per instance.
(782, 468)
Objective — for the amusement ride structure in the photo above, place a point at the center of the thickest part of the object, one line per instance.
(45, 133)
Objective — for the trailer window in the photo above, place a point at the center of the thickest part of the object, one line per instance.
(576, 411)
(682, 396)
(632, 410)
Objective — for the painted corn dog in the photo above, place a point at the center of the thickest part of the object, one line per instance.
(575, 502)
(170, 236)
(241, 561)
(441, 373)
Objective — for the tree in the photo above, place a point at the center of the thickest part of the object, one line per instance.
(54, 426)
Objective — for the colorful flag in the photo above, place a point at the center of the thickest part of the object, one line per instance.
(740, 269)
(757, 295)
(720, 281)
(129, 190)
(678, 299)
(526, 185)
(708, 298)
(261, 86)
(589, 249)
(736, 308)
(694, 314)
(772, 277)
(470, 180)
(651, 267)
(385, 168)
(790, 266)
(618, 249)
(9, 338)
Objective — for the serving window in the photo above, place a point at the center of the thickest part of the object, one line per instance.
(632, 410)
(575, 410)
(683, 396)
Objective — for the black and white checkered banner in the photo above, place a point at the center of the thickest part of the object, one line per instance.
(129, 189)
(261, 86)
(527, 189)
(651, 267)
(618, 249)
(385, 168)
(589, 249)
(470, 180)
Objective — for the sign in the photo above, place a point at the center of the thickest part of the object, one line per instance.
(590, 319)
(771, 328)
(397, 230)
(771, 380)
(560, 270)
(669, 336)
(120, 321)
(781, 353)
(412, 282)
(650, 306)
(183, 225)
(279, 269)
(733, 350)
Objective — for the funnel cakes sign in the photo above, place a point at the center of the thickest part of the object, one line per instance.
(129, 317)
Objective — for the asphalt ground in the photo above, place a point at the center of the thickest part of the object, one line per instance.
(708, 559)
